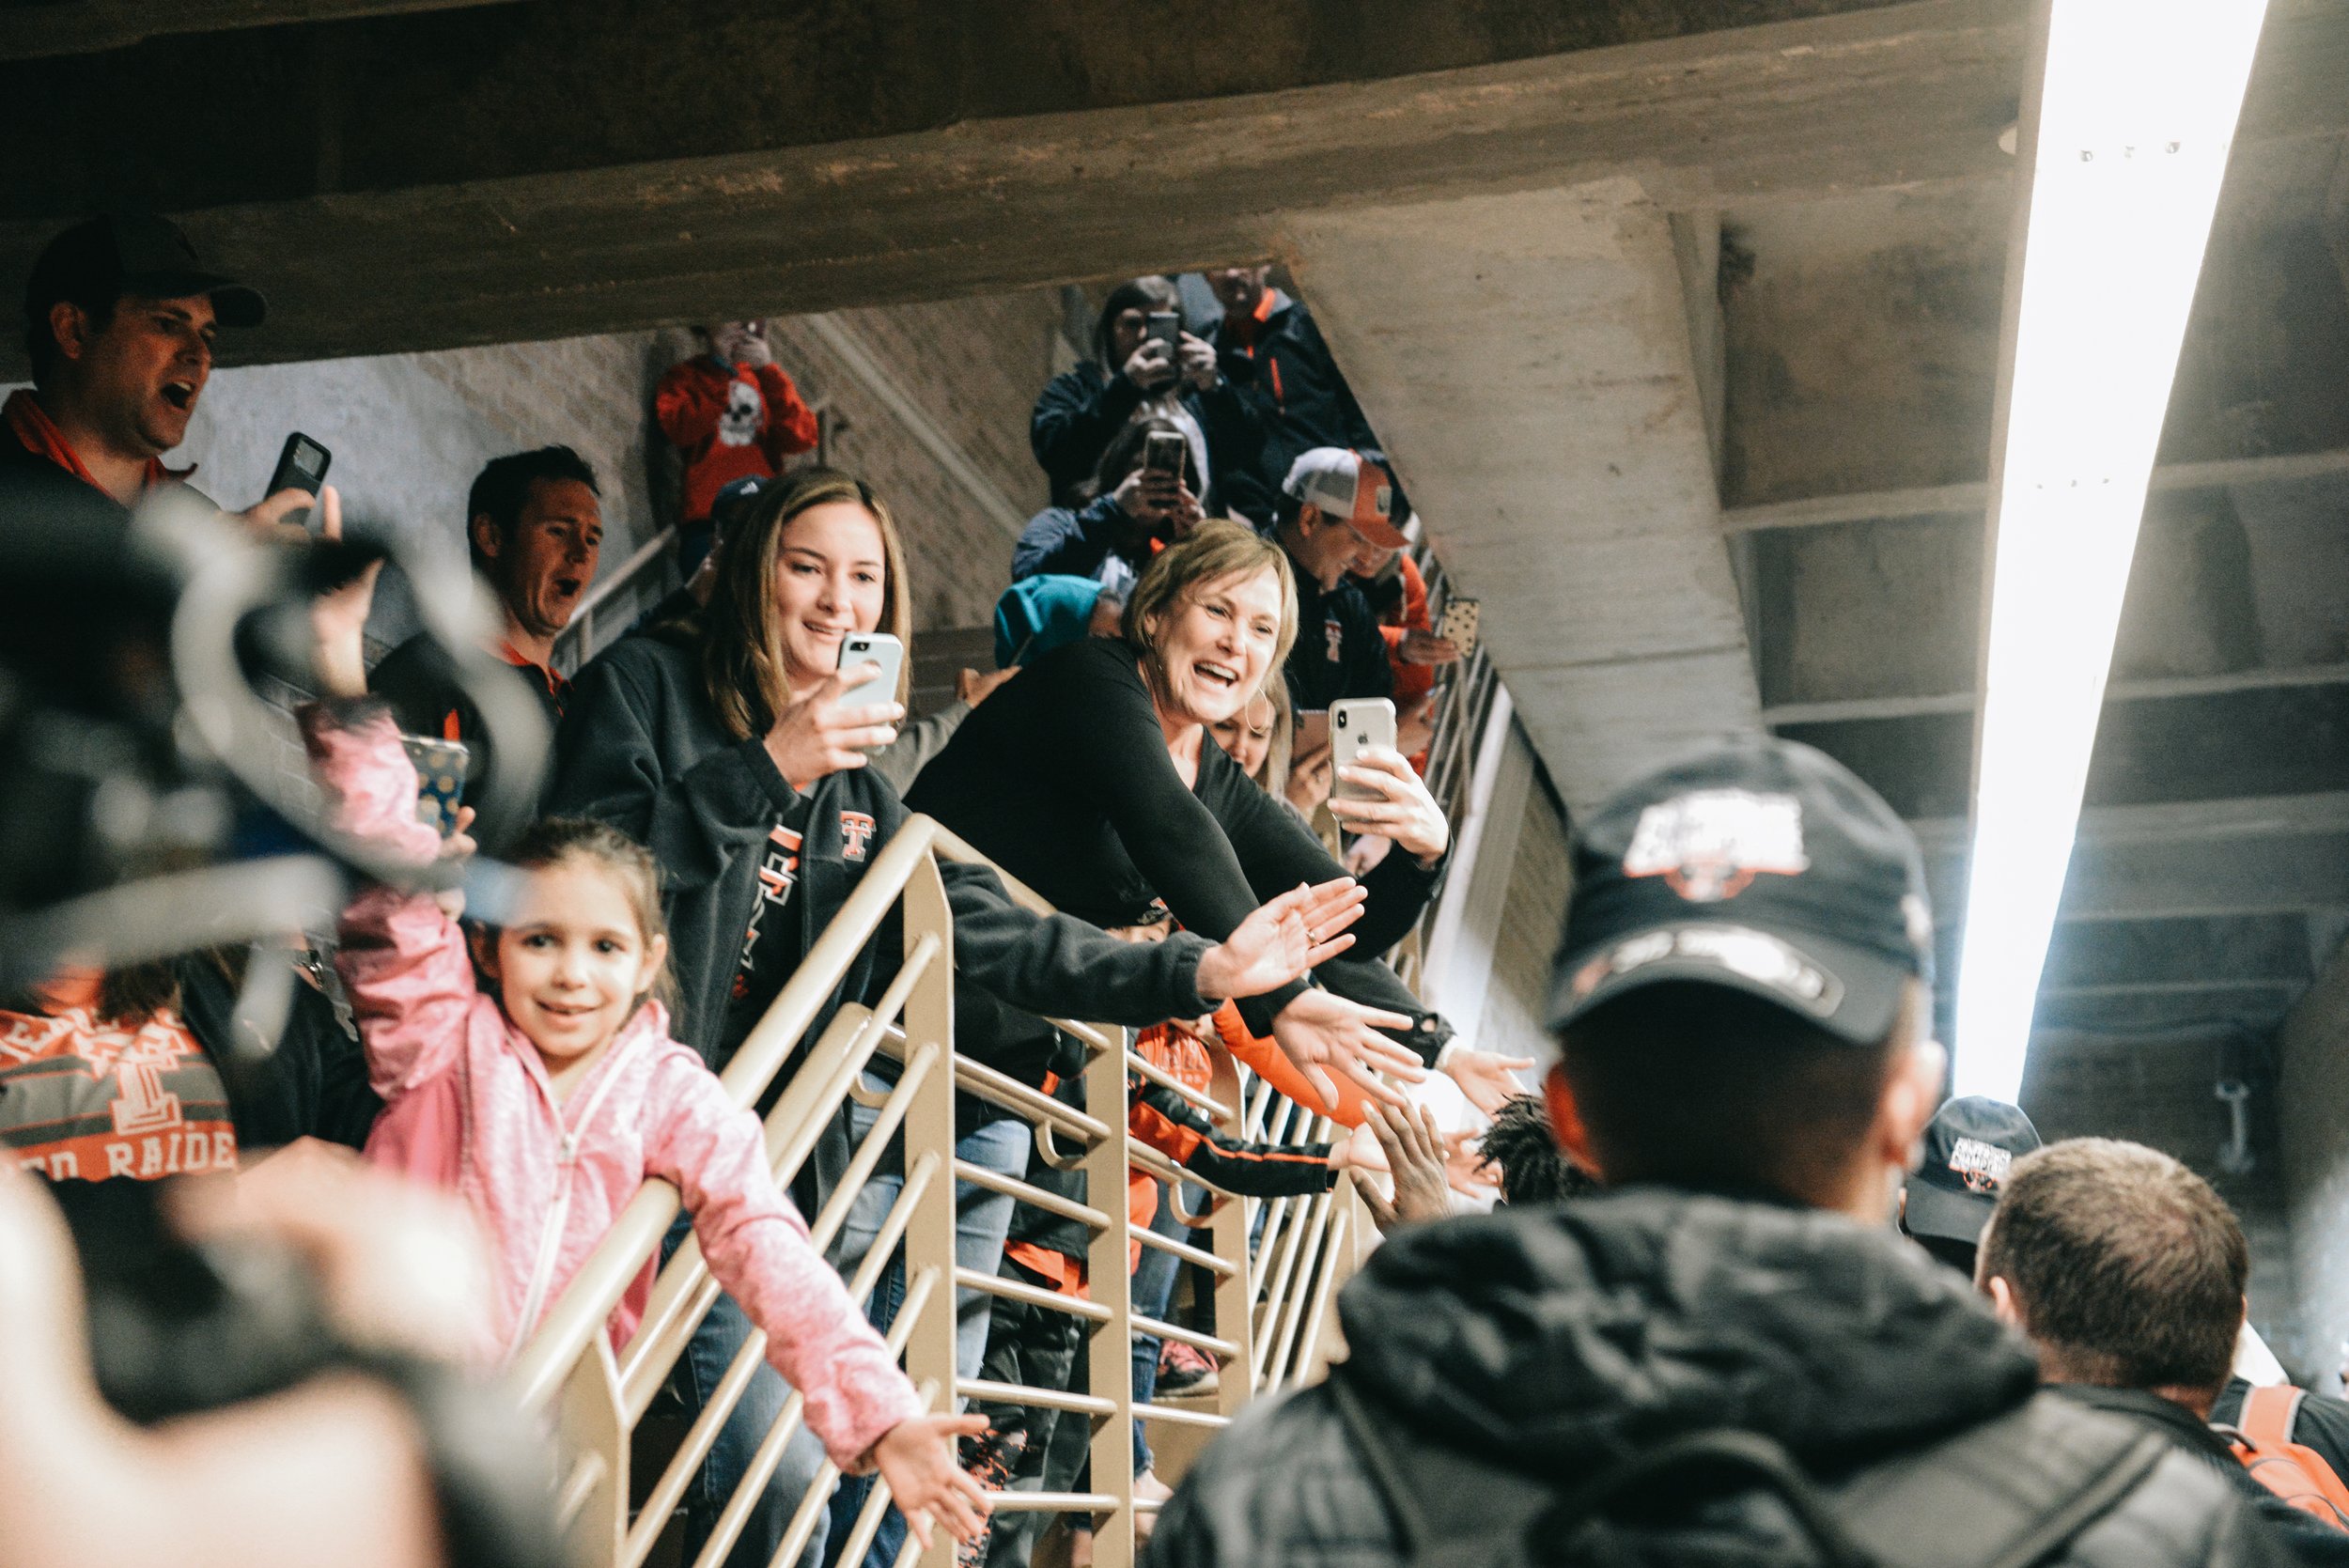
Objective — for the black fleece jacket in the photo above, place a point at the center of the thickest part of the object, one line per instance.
(1285, 371)
(1082, 410)
(1555, 1340)
(642, 747)
(2314, 1543)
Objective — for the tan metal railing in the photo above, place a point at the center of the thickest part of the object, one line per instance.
(569, 1370)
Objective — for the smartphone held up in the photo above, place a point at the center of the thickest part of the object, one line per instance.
(302, 465)
(1357, 725)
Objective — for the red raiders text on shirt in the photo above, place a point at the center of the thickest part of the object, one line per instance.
(81, 1100)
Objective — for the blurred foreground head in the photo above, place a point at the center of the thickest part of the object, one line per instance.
(1740, 997)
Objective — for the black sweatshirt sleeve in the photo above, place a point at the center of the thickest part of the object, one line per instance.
(1399, 889)
(1280, 853)
(1235, 444)
(1073, 422)
(1068, 543)
(1179, 1130)
(1062, 966)
(1108, 736)
(608, 767)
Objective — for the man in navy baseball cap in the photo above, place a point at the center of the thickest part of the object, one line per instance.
(1969, 1146)
(1741, 1007)
(120, 318)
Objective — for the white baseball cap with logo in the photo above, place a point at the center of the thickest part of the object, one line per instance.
(1355, 489)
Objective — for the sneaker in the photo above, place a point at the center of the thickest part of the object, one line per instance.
(1183, 1369)
(1148, 1488)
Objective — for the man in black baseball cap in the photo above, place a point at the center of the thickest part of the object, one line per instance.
(1969, 1146)
(1728, 1348)
(119, 317)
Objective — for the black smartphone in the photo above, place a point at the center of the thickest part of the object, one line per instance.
(1165, 326)
(302, 466)
(1164, 452)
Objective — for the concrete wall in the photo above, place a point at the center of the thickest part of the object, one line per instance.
(1488, 955)
(1532, 914)
(2314, 1135)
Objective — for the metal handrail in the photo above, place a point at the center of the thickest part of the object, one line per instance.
(604, 1395)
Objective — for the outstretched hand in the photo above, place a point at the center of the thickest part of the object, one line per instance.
(1489, 1081)
(1283, 940)
(1324, 1033)
(917, 1458)
(1414, 1151)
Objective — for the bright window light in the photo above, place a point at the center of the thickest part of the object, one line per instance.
(2135, 116)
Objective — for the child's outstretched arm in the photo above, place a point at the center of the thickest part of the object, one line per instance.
(401, 958)
(858, 1402)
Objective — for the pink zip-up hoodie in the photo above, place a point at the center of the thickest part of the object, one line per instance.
(469, 1106)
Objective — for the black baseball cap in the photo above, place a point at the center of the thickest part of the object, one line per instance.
(134, 254)
(1969, 1145)
(1759, 864)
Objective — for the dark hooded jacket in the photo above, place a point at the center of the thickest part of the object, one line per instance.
(1554, 1340)
(1082, 411)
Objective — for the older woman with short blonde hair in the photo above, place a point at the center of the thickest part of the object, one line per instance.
(1092, 778)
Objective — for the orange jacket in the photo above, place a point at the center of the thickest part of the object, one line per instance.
(730, 421)
(1411, 681)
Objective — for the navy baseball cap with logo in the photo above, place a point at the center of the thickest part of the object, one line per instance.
(1969, 1144)
(134, 254)
(1759, 864)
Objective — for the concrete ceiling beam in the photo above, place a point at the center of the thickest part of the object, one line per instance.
(445, 234)
(1528, 360)
(91, 26)
(2117, 691)
(1967, 502)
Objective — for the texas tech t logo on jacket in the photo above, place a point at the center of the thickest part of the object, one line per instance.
(777, 875)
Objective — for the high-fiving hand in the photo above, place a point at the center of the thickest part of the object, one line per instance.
(1325, 1033)
(1282, 940)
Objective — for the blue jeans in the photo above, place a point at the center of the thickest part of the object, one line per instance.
(1153, 1289)
(708, 1355)
(982, 1221)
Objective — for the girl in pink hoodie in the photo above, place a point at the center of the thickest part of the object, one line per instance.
(548, 1099)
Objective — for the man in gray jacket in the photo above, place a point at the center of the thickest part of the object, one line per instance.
(1727, 1356)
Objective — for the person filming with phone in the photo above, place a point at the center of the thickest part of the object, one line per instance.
(1144, 364)
(1139, 501)
(1092, 778)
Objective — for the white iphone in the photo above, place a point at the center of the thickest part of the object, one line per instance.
(872, 647)
(1359, 725)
